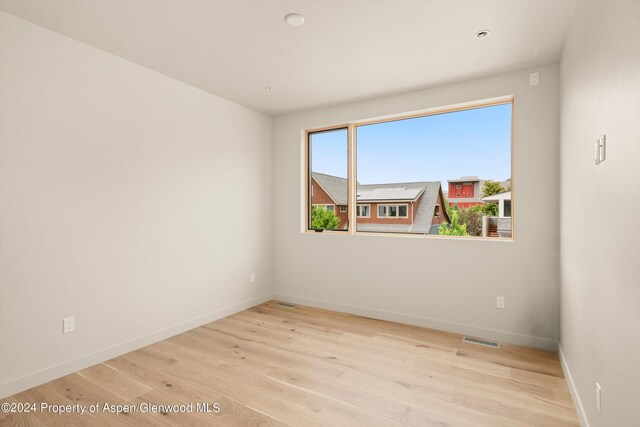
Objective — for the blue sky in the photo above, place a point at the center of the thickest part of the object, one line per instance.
(431, 148)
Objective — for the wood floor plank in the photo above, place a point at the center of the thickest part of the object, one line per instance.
(47, 393)
(362, 399)
(186, 385)
(115, 382)
(486, 382)
(299, 366)
(18, 418)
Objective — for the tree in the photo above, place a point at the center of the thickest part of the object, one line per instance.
(450, 209)
(492, 187)
(455, 228)
(489, 189)
(489, 209)
(471, 217)
(323, 219)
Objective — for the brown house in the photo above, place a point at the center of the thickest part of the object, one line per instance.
(403, 207)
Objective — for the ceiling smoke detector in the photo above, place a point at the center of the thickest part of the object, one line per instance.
(482, 34)
(294, 19)
(269, 88)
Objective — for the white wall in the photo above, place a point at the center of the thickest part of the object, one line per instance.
(129, 200)
(416, 280)
(600, 231)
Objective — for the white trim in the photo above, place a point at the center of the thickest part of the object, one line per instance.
(426, 322)
(368, 208)
(582, 415)
(397, 205)
(389, 201)
(34, 379)
(461, 106)
(346, 208)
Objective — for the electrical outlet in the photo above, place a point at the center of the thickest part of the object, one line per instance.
(500, 302)
(252, 277)
(68, 324)
(598, 397)
(534, 79)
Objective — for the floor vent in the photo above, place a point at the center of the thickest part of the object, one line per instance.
(286, 305)
(479, 341)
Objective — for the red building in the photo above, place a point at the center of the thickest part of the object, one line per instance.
(465, 192)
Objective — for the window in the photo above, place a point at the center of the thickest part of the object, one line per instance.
(327, 155)
(392, 211)
(331, 208)
(401, 168)
(363, 211)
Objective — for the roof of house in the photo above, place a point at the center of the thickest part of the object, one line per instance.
(506, 195)
(397, 192)
(423, 216)
(426, 192)
(465, 179)
(335, 186)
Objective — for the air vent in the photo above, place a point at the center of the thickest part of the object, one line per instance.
(479, 341)
(286, 305)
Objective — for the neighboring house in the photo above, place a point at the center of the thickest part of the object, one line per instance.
(499, 226)
(465, 192)
(403, 207)
(331, 192)
(504, 203)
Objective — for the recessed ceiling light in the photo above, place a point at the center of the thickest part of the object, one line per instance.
(269, 88)
(294, 19)
(482, 34)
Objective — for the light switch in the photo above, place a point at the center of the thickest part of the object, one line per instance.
(601, 149)
(534, 79)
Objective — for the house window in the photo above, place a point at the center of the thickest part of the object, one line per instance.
(331, 208)
(392, 211)
(363, 211)
(398, 164)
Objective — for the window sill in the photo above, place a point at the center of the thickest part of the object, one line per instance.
(411, 236)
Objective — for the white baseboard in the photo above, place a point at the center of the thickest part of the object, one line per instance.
(582, 415)
(443, 325)
(26, 382)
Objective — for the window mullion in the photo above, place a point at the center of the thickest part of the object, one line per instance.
(351, 178)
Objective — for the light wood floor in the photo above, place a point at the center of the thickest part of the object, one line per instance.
(274, 366)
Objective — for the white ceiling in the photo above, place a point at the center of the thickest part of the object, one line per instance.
(345, 51)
